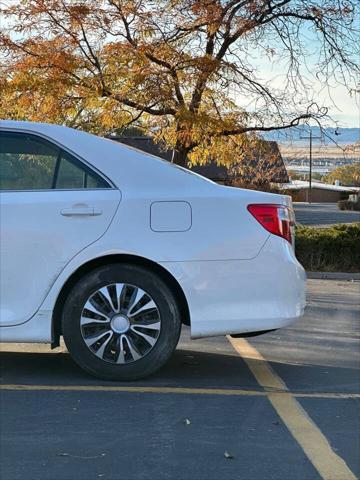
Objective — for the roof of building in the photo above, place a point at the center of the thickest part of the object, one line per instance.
(304, 184)
(266, 159)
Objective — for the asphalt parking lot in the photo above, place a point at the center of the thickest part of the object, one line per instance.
(323, 214)
(277, 407)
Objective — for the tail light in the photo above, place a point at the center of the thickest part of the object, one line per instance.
(276, 219)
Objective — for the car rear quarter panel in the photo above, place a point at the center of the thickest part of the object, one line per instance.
(221, 229)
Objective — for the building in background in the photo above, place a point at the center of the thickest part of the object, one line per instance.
(320, 192)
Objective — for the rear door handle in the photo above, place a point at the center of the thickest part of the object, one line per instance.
(81, 211)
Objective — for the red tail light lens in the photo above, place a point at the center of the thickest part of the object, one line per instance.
(276, 219)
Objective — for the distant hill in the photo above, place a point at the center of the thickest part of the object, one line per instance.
(293, 135)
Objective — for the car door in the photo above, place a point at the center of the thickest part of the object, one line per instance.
(52, 206)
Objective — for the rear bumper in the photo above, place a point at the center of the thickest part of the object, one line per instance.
(238, 296)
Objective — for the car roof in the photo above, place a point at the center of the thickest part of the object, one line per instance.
(125, 166)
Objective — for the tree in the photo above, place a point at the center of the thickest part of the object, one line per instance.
(261, 168)
(186, 68)
(347, 175)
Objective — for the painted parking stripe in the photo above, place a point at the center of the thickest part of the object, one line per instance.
(174, 390)
(315, 445)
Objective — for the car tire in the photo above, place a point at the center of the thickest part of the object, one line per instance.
(137, 310)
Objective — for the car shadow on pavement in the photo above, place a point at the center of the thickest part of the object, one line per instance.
(186, 368)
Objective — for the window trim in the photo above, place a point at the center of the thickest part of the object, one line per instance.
(88, 168)
(56, 170)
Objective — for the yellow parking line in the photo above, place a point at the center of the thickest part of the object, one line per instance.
(174, 390)
(129, 389)
(315, 445)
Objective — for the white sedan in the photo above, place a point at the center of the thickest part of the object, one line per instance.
(114, 249)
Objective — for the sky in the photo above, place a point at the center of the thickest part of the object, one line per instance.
(344, 107)
(346, 111)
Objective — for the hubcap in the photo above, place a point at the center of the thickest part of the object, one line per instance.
(120, 323)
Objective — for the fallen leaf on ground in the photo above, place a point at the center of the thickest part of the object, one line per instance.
(228, 455)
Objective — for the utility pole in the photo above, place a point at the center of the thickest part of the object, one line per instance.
(310, 138)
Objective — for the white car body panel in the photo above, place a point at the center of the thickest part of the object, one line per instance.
(37, 241)
(236, 277)
(233, 296)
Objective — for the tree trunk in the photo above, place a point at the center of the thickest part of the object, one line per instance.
(180, 155)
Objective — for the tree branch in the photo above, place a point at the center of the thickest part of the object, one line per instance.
(260, 128)
(139, 106)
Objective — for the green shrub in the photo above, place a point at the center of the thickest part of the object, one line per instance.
(333, 249)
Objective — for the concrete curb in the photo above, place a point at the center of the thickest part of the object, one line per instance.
(333, 276)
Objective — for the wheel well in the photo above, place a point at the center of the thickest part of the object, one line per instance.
(106, 260)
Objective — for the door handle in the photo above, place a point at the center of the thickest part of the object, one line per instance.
(81, 211)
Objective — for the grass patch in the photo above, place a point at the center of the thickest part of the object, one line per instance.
(333, 249)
